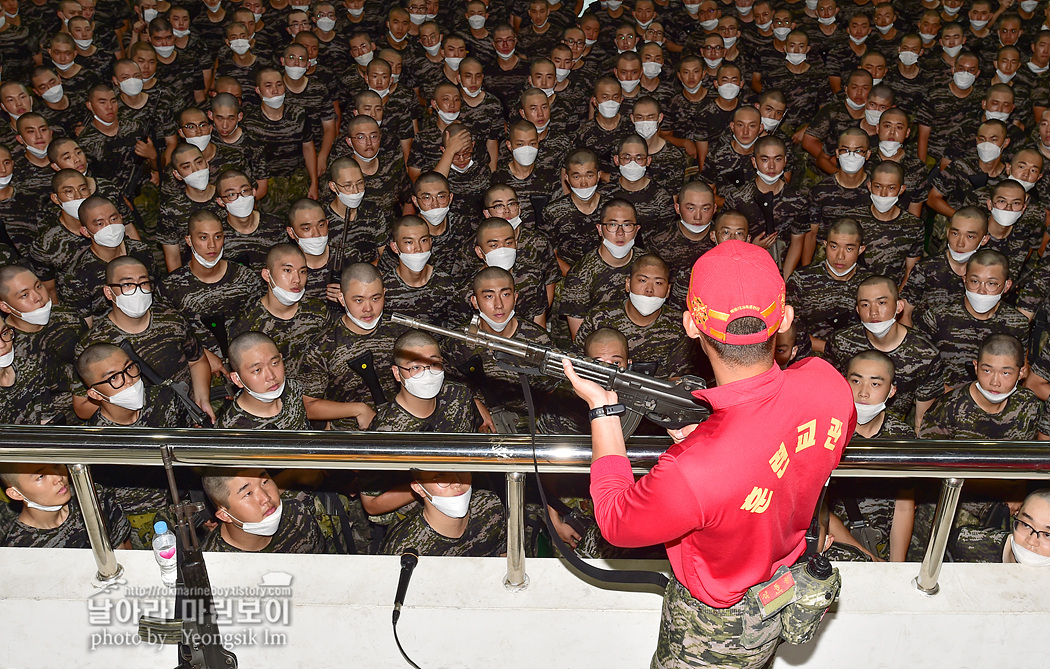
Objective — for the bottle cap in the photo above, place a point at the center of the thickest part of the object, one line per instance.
(160, 527)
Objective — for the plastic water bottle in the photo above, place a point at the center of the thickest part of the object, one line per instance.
(164, 551)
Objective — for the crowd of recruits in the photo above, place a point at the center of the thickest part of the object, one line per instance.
(412, 146)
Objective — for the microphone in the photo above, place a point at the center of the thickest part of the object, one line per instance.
(408, 563)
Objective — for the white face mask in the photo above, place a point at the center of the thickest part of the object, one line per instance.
(1006, 218)
(964, 79)
(618, 252)
(858, 40)
(505, 56)
(198, 180)
(713, 63)
(547, 91)
(72, 207)
(150, 14)
(39, 153)
(629, 85)
(131, 398)
(1028, 185)
(447, 117)
(164, 51)
(525, 155)
(39, 507)
(84, 44)
(561, 73)
(453, 63)
(646, 129)
(693, 90)
(204, 262)
(276, 102)
(884, 203)
(872, 116)
(782, 34)
(995, 397)
(811, 5)
(135, 305)
(826, 20)
(107, 124)
(201, 143)
(469, 93)
(1028, 6)
(692, 8)
(855, 106)
(709, 25)
(396, 39)
(770, 180)
(652, 69)
(432, 50)
(851, 163)
(769, 124)
(867, 412)
(584, 193)
(952, 52)
(39, 316)
(982, 304)
(53, 94)
(364, 59)
(352, 200)
(632, 171)
(1005, 78)
(131, 87)
(996, 116)
(415, 262)
(765, 26)
(644, 24)
(695, 229)
(362, 324)
(109, 236)
(1036, 69)
(417, 19)
(356, 12)
(267, 527)
(879, 328)
(843, 272)
(515, 222)
(426, 386)
(434, 216)
(960, 257)
(7, 359)
(927, 37)
(240, 46)
(728, 91)
(4, 181)
(477, 22)
(381, 93)
(889, 147)
(646, 304)
(325, 24)
(453, 507)
(988, 151)
(268, 396)
(795, 58)
(977, 24)
(242, 207)
(313, 246)
(286, 297)
(1025, 556)
(294, 72)
(502, 257)
(609, 108)
(498, 326)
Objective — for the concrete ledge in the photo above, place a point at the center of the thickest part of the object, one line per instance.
(336, 613)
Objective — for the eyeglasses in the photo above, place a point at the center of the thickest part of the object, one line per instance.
(7, 334)
(974, 284)
(1019, 524)
(574, 42)
(626, 227)
(118, 379)
(244, 192)
(203, 125)
(416, 370)
(505, 207)
(129, 287)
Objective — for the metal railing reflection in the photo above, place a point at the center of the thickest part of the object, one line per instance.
(79, 447)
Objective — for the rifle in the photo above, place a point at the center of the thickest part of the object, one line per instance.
(473, 370)
(669, 404)
(335, 264)
(181, 390)
(196, 632)
(139, 173)
(216, 324)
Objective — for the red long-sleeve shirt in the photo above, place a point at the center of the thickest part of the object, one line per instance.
(732, 501)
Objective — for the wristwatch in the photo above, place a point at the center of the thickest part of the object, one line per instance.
(607, 410)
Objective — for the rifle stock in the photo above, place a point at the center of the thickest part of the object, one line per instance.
(180, 389)
(669, 404)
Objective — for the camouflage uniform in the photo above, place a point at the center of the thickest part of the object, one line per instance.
(932, 283)
(438, 301)
(593, 281)
(161, 409)
(53, 247)
(167, 344)
(196, 299)
(80, 283)
(957, 416)
(889, 244)
(571, 231)
(484, 536)
(366, 235)
(250, 249)
(298, 532)
(958, 335)
(292, 415)
(653, 204)
(294, 337)
(680, 253)
(455, 412)
(693, 634)
(661, 342)
(72, 533)
(822, 302)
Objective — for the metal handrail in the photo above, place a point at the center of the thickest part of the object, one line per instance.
(952, 461)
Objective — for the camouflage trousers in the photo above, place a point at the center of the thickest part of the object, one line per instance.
(693, 634)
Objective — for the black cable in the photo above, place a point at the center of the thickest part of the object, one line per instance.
(403, 653)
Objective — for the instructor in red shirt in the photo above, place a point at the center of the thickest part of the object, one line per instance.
(733, 498)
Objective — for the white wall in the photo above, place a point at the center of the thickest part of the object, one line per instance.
(458, 614)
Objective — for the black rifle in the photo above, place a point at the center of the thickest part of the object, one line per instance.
(364, 366)
(216, 324)
(139, 173)
(335, 265)
(180, 389)
(196, 631)
(669, 404)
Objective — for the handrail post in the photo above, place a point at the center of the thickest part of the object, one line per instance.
(943, 518)
(105, 559)
(516, 578)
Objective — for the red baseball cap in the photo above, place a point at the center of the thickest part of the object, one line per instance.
(733, 280)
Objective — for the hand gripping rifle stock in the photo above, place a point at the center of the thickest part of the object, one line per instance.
(669, 404)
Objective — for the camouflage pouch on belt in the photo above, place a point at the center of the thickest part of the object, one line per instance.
(813, 597)
(762, 603)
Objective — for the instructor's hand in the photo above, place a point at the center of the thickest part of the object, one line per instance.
(591, 393)
(681, 433)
